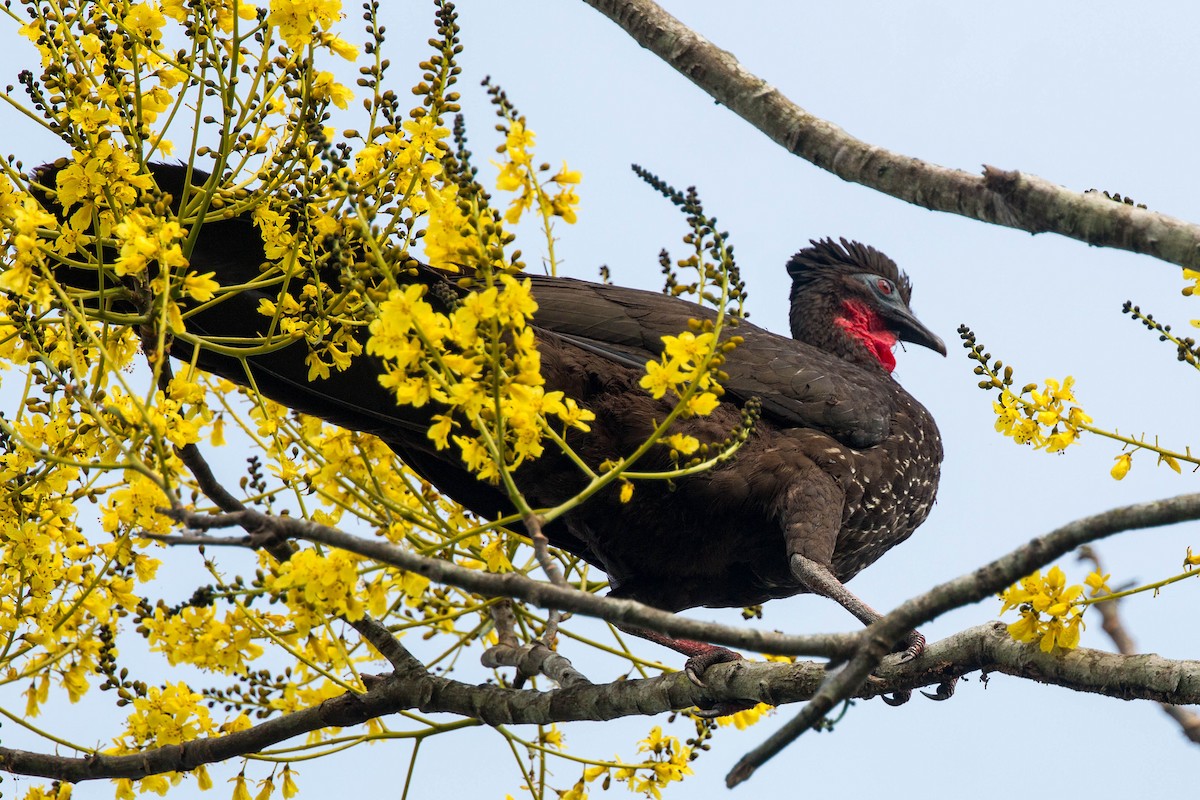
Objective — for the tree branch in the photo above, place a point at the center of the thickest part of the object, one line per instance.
(1009, 198)
(986, 648)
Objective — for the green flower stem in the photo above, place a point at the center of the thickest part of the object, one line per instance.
(1154, 587)
(27, 725)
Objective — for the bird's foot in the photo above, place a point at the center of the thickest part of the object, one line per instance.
(698, 663)
(725, 708)
(944, 690)
(695, 668)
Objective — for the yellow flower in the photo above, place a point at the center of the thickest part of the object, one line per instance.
(702, 403)
(340, 47)
(745, 718)
(290, 789)
(324, 87)
(439, 431)
(660, 377)
(494, 553)
(567, 176)
(200, 287)
(518, 141)
(686, 445)
(510, 178)
(563, 205)
(240, 792)
(144, 21)
(552, 737)
(1190, 560)
(1121, 467)
(1194, 276)
(266, 788)
(1099, 583)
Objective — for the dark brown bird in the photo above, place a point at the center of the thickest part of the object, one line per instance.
(842, 466)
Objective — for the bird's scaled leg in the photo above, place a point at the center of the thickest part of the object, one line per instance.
(819, 579)
(701, 655)
(813, 521)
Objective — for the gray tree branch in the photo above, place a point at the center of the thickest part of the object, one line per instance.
(1003, 197)
(986, 648)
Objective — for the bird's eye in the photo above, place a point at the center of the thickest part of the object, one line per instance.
(885, 287)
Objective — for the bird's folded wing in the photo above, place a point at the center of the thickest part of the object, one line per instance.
(797, 384)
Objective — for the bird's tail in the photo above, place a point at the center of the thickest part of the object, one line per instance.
(229, 335)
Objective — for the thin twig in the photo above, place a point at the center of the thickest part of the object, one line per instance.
(541, 549)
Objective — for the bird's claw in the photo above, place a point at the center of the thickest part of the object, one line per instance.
(695, 668)
(698, 664)
(944, 691)
(897, 698)
(723, 709)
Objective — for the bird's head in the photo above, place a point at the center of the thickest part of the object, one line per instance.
(851, 299)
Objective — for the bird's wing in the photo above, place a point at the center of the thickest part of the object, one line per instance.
(798, 385)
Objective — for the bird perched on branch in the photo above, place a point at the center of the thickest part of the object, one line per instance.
(841, 466)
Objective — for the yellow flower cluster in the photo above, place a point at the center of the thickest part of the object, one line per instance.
(517, 173)
(99, 182)
(669, 761)
(482, 362)
(412, 158)
(317, 587)
(746, 717)
(95, 76)
(686, 370)
(58, 791)
(1050, 611)
(173, 714)
(222, 12)
(98, 423)
(300, 22)
(20, 219)
(1041, 419)
(197, 636)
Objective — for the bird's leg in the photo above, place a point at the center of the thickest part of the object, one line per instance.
(819, 579)
(813, 519)
(701, 655)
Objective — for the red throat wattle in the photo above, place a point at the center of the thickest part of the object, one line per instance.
(864, 324)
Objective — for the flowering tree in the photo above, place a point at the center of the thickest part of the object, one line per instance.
(114, 411)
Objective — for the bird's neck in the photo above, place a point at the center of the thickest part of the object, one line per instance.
(863, 324)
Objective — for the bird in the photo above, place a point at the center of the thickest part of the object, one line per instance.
(841, 465)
